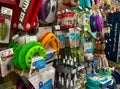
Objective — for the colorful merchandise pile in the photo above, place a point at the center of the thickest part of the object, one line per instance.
(59, 44)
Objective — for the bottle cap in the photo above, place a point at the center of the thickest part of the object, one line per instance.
(59, 78)
(70, 58)
(75, 59)
(71, 63)
(65, 57)
(59, 56)
(75, 79)
(62, 81)
(63, 61)
(68, 62)
(71, 84)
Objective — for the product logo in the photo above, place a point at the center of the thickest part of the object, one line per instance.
(24, 10)
(40, 84)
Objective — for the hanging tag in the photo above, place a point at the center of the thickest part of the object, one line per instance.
(57, 27)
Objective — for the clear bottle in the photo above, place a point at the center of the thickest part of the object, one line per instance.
(75, 63)
(62, 81)
(66, 59)
(75, 80)
(59, 59)
(68, 64)
(67, 83)
(59, 78)
(64, 62)
(71, 85)
(56, 61)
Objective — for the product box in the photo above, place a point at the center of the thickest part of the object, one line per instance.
(6, 64)
(43, 79)
(38, 64)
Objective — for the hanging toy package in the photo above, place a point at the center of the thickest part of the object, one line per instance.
(6, 65)
(68, 19)
(74, 37)
(61, 38)
(5, 23)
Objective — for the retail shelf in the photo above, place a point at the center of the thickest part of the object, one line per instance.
(63, 69)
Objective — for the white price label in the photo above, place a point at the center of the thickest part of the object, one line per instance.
(7, 52)
(30, 38)
(35, 80)
(74, 71)
(57, 27)
(33, 38)
(6, 11)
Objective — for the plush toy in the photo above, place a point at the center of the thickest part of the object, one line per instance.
(99, 44)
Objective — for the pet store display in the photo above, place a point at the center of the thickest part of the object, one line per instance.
(59, 44)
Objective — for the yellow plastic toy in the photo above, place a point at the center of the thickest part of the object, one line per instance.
(50, 38)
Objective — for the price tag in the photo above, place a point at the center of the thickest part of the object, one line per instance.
(33, 38)
(5, 10)
(57, 27)
(30, 38)
(6, 53)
